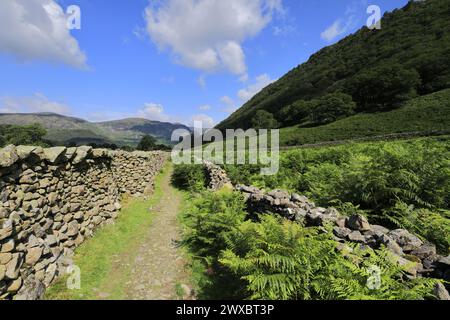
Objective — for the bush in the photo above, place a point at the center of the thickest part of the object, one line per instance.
(189, 177)
(264, 120)
(23, 135)
(383, 87)
(332, 107)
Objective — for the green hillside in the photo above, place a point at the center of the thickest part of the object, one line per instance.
(68, 130)
(379, 69)
(424, 114)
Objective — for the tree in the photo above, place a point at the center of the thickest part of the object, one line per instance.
(295, 113)
(383, 87)
(264, 120)
(23, 135)
(332, 107)
(148, 143)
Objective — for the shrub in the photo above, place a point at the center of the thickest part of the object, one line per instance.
(332, 107)
(189, 177)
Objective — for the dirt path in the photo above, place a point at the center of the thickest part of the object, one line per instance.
(157, 268)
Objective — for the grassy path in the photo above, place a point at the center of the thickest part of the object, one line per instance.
(137, 257)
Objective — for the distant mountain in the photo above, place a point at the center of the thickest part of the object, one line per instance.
(415, 38)
(63, 129)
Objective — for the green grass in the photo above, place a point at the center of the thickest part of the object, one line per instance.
(95, 257)
(424, 114)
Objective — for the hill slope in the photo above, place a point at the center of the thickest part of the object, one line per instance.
(415, 37)
(424, 114)
(63, 130)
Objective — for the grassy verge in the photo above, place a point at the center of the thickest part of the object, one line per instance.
(96, 257)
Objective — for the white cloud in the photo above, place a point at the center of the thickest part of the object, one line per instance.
(261, 82)
(37, 30)
(208, 34)
(245, 94)
(333, 31)
(35, 103)
(205, 107)
(206, 121)
(154, 111)
(202, 81)
(230, 105)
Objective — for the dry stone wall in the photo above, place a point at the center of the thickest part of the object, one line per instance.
(52, 199)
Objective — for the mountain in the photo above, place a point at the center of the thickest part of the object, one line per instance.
(64, 130)
(413, 41)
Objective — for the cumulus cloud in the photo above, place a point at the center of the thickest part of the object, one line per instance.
(35, 103)
(208, 34)
(155, 112)
(245, 94)
(206, 121)
(261, 82)
(37, 30)
(333, 31)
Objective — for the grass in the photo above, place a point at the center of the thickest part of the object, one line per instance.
(424, 114)
(96, 256)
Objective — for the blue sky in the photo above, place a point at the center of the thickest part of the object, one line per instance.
(168, 60)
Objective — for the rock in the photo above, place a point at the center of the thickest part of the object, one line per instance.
(341, 232)
(32, 289)
(13, 266)
(391, 245)
(24, 151)
(5, 258)
(424, 251)
(81, 154)
(445, 261)
(8, 156)
(33, 255)
(356, 236)
(2, 272)
(7, 230)
(15, 285)
(358, 223)
(53, 155)
(379, 229)
(440, 292)
(410, 267)
(405, 239)
(8, 246)
(72, 229)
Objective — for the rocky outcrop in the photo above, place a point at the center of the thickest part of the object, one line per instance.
(419, 259)
(52, 199)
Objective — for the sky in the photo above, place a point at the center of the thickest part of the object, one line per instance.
(166, 60)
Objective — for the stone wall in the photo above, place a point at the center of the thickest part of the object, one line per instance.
(52, 199)
(419, 258)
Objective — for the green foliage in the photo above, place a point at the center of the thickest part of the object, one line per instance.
(281, 260)
(416, 37)
(383, 87)
(23, 135)
(264, 120)
(284, 261)
(425, 115)
(147, 143)
(332, 107)
(189, 177)
(372, 177)
(297, 112)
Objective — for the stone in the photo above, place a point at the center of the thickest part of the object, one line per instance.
(52, 155)
(8, 246)
(32, 290)
(440, 292)
(424, 251)
(341, 232)
(405, 239)
(15, 285)
(72, 229)
(391, 245)
(13, 266)
(410, 267)
(6, 231)
(5, 258)
(2, 272)
(8, 156)
(379, 229)
(81, 154)
(358, 222)
(356, 236)
(24, 151)
(33, 255)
